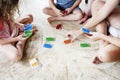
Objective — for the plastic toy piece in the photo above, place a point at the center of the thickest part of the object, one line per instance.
(86, 31)
(47, 45)
(85, 45)
(64, 12)
(33, 62)
(28, 27)
(69, 35)
(28, 33)
(59, 26)
(68, 41)
(50, 39)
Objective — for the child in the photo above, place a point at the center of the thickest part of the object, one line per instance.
(102, 10)
(63, 10)
(11, 34)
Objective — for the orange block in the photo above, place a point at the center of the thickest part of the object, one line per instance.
(68, 41)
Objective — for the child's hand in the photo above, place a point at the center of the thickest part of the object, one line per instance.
(74, 34)
(20, 26)
(95, 36)
(84, 19)
(69, 10)
(21, 37)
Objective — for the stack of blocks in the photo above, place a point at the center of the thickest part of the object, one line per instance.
(28, 30)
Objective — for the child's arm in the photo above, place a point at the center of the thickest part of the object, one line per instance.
(102, 13)
(19, 25)
(10, 40)
(7, 40)
(87, 13)
(76, 4)
(69, 10)
(52, 5)
(110, 39)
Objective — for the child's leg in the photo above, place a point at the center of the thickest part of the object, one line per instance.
(76, 15)
(20, 44)
(27, 19)
(109, 53)
(114, 18)
(49, 11)
(11, 52)
(102, 28)
(14, 53)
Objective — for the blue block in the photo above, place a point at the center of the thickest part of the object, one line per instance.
(85, 30)
(28, 27)
(47, 45)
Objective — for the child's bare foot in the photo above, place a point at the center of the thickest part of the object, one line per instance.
(20, 46)
(27, 19)
(50, 19)
(97, 60)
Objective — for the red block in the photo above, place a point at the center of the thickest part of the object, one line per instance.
(69, 35)
(64, 12)
(59, 26)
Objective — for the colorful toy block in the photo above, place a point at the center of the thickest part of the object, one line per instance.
(28, 33)
(47, 45)
(86, 31)
(67, 41)
(50, 39)
(69, 35)
(65, 12)
(28, 27)
(83, 45)
(33, 62)
(59, 26)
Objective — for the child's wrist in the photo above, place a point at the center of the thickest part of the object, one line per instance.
(80, 31)
(15, 39)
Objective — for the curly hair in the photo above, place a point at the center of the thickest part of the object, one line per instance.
(8, 9)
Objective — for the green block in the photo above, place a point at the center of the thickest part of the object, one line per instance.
(50, 39)
(85, 45)
(28, 33)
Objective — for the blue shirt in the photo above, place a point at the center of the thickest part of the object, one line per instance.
(65, 3)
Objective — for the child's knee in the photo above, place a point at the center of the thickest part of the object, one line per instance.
(78, 16)
(16, 57)
(45, 10)
(105, 56)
